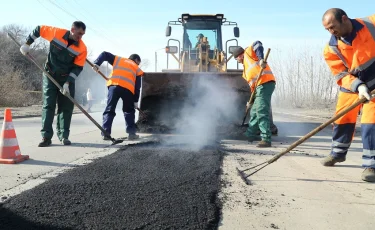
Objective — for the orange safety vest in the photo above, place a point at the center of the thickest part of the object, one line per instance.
(57, 35)
(354, 64)
(252, 69)
(124, 73)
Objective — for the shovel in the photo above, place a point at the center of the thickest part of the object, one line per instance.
(300, 141)
(114, 141)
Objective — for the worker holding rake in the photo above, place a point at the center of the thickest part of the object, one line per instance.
(350, 54)
(125, 83)
(253, 60)
(65, 61)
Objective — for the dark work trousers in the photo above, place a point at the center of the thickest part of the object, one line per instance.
(51, 95)
(114, 94)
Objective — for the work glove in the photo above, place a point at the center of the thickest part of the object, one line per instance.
(95, 68)
(136, 105)
(363, 92)
(65, 90)
(25, 49)
(263, 63)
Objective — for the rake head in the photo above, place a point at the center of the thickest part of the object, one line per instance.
(259, 167)
(116, 141)
(243, 176)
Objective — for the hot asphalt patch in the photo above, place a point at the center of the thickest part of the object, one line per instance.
(144, 186)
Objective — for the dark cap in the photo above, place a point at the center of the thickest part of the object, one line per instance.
(135, 57)
(238, 51)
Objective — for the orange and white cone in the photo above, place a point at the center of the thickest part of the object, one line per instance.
(9, 150)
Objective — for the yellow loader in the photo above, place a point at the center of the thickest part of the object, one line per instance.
(168, 98)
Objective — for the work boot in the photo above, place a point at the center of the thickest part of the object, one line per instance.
(133, 137)
(250, 138)
(264, 144)
(330, 160)
(106, 138)
(45, 142)
(274, 130)
(66, 141)
(368, 175)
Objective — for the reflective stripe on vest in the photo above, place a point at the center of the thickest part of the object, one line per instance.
(251, 66)
(123, 78)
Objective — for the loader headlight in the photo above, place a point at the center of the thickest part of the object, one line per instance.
(171, 49)
(219, 16)
(185, 16)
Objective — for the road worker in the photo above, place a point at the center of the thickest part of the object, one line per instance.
(65, 61)
(350, 55)
(253, 60)
(125, 83)
(199, 40)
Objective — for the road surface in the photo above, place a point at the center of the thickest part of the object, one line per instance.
(295, 192)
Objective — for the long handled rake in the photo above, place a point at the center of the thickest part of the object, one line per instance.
(114, 141)
(298, 142)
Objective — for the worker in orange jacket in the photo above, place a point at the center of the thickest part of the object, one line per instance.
(65, 61)
(350, 54)
(125, 83)
(253, 60)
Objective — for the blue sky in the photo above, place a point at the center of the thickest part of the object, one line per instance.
(126, 27)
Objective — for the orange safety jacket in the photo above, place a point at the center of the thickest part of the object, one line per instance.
(63, 61)
(252, 69)
(124, 73)
(353, 62)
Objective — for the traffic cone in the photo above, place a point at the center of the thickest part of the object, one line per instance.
(9, 150)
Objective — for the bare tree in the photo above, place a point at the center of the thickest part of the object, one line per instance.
(303, 79)
(21, 79)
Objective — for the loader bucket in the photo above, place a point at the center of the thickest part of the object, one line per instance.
(170, 99)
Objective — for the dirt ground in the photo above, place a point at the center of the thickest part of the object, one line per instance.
(296, 192)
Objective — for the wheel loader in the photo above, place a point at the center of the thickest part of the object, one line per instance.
(170, 98)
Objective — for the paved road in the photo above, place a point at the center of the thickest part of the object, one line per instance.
(87, 144)
(291, 193)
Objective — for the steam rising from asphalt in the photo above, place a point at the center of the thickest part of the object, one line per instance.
(211, 104)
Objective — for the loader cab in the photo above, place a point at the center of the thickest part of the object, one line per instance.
(210, 26)
(197, 29)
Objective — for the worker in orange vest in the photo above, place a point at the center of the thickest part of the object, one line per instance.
(125, 83)
(65, 61)
(253, 60)
(350, 54)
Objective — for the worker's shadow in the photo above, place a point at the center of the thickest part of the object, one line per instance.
(347, 166)
(271, 152)
(336, 181)
(254, 181)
